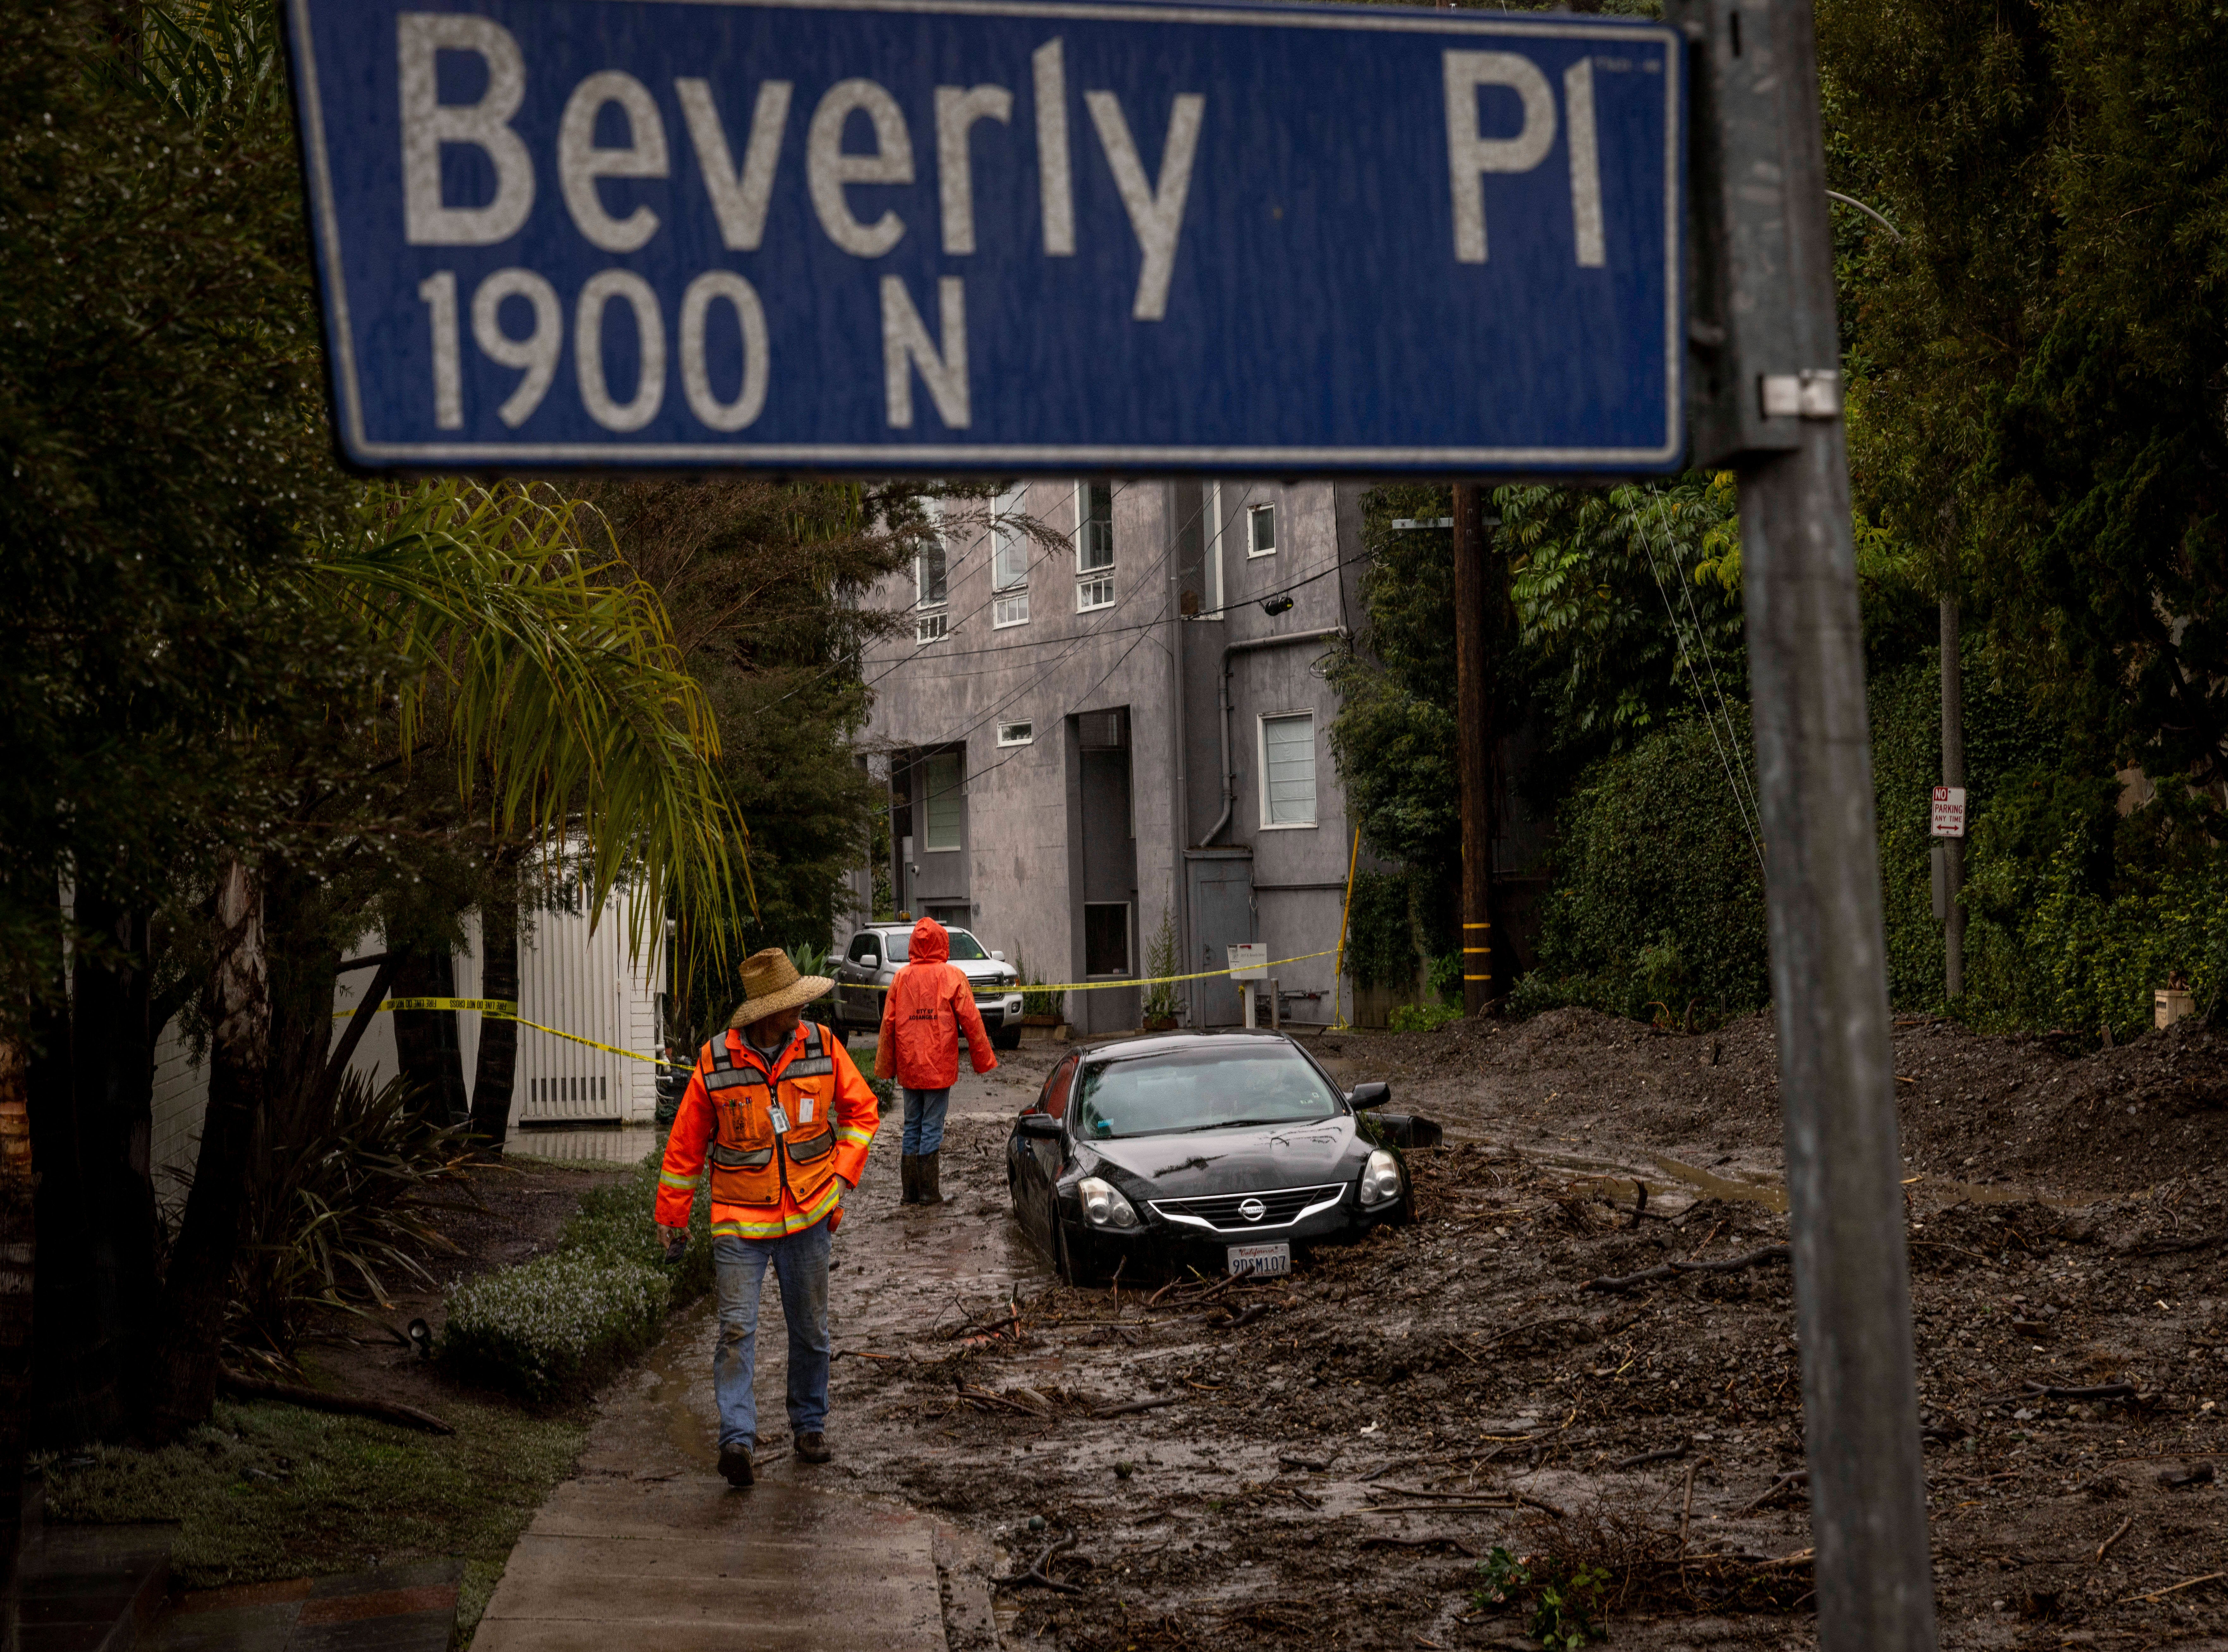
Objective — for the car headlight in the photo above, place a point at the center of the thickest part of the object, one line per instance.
(1103, 1207)
(1380, 1179)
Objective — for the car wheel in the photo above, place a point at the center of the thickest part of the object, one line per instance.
(1006, 1038)
(1064, 1260)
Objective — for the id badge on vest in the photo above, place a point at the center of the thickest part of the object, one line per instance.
(780, 1120)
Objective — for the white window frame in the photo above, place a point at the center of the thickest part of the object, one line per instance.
(1009, 545)
(1252, 513)
(1314, 771)
(932, 626)
(1022, 733)
(929, 793)
(1009, 610)
(920, 558)
(1093, 592)
(1082, 506)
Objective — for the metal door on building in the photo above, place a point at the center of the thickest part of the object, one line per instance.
(1222, 916)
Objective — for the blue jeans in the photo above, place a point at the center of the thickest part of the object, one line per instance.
(800, 1262)
(924, 1120)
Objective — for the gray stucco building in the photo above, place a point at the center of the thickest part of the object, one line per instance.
(1087, 739)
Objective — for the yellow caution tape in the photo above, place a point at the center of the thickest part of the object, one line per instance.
(498, 1009)
(507, 1008)
(1142, 981)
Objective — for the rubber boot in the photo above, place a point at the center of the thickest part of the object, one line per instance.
(909, 1173)
(930, 1192)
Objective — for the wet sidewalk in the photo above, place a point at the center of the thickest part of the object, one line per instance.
(690, 1563)
(648, 1546)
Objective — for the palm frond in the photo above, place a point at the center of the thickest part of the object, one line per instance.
(551, 677)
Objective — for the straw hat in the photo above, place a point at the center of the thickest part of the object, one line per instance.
(772, 985)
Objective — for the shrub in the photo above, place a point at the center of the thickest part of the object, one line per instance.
(338, 1220)
(555, 1327)
(1658, 897)
(1163, 959)
(1422, 1018)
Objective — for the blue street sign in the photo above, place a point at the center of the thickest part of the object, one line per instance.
(999, 236)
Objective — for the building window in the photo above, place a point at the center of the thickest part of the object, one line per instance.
(1010, 611)
(1288, 770)
(931, 628)
(1261, 531)
(1017, 734)
(1094, 526)
(1094, 593)
(1106, 938)
(929, 590)
(943, 781)
(1009, 545)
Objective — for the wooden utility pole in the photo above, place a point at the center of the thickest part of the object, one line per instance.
(1475, 723)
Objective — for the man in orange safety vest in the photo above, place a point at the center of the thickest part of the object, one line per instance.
(784, 1118)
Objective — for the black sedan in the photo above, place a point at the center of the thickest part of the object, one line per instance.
(1217, 1151)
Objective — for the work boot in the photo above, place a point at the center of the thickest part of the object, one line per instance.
(735, 1466)
(909, 1173)
(928, 1191)
(812, 1448)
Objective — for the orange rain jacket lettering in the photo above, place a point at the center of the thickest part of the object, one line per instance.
(928, 1004)
(770, 1176)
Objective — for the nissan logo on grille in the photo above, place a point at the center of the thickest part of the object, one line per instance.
(1252, 1210)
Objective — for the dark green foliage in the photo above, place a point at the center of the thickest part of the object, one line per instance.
(2005, 742)
(338, 1221)
(1380, 931)
(1394, 735)
(551, 1329)
(1627, 603)
(1658, 897)
(2039, 363)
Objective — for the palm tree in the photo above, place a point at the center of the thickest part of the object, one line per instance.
(548, 678)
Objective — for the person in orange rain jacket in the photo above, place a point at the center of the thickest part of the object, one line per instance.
(928, 1006)
(784, 1118)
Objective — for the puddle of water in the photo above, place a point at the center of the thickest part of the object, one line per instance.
(601, 1144)
(679, 1377)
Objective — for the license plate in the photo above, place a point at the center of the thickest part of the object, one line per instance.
(1260, 1258)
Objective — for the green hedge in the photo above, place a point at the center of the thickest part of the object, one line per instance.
(1658, 899)
(552, 1328)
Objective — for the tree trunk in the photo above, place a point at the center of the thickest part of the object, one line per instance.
(183, 1378)
(18, 1273)
(498, 1058)
(91, 1107)
(426, 1040)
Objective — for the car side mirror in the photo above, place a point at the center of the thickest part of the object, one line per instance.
(997, 955)
(1363, 1096)
(1041, 1126)
(870, 960)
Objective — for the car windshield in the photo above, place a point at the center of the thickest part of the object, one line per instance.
(965, 947)
(1248, 1082)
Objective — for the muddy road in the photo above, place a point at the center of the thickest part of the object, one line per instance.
(1331, 1460)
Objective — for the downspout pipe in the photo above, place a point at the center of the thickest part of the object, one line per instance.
(1255, 645)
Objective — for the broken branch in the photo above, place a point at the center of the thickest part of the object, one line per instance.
(386, 1411)
(1672, 1269)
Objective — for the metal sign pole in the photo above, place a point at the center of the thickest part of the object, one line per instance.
(1766, 322)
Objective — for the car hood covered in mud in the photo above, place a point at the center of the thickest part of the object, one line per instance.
(1238, 1160)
